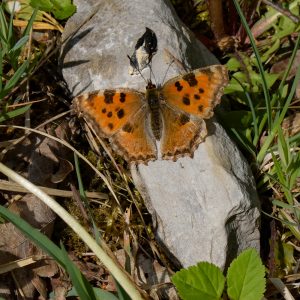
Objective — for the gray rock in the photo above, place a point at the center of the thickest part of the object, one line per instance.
(205, 208)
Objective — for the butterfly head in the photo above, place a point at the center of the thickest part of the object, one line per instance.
(150, 85)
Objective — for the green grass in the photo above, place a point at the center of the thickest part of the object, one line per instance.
(266, 100)
(11, 60)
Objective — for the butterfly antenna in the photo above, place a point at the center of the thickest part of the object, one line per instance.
(137, 68)
(151, 72)
(167, 71)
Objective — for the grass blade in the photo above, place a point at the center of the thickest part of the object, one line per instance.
(19, 44)
(259, 63)
(14, 79)
(30, 22)
(82, 286)
(14, 113)
(266, 145)
(3, 26)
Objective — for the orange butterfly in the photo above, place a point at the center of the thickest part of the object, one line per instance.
(172, 114)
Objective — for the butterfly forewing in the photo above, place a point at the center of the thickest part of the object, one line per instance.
(109, 110)
(196, 92)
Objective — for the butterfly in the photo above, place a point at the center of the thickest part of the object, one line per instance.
(165, 122)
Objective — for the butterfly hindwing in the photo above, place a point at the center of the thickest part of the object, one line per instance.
(133, 141)
(182, 133)
(198, 91)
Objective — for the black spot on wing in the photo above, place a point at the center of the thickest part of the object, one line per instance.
(120, 113)
(109, 96)
(186, 100)
(178, 86)
(200, 108)
(104, 110)
(110, 126)
(197, 97)
(201, 90)
(183, 119)
(190, 79)
(122, 97)
(109, 114)
(127, 127)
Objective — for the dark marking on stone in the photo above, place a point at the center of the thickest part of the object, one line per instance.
(184, 119)
(109, 114)
(197, 97)
(200, 108)
(186, 100)
(201, 90)
(104, 110)
(190, 78)
(110, 126)
(127, 127)
(122, 97)
(120, 113)
(109, 96)
(178, 86)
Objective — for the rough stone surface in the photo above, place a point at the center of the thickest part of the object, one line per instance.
(204, 208)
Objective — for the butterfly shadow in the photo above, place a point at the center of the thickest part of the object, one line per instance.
(70, 42)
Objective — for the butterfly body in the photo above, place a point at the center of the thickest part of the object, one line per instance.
(153, 100)
(172, 114)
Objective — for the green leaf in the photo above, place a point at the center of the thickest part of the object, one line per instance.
(61, 9)
(233, 64)
(271, 79)
(14, 113)
(245, 277)
(203, 281)
(44, 5)
(64, 9)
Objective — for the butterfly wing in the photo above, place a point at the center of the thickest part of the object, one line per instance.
(186, 101)
(182, 133)
(133, 141)
(119, 115)
(198, 91)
